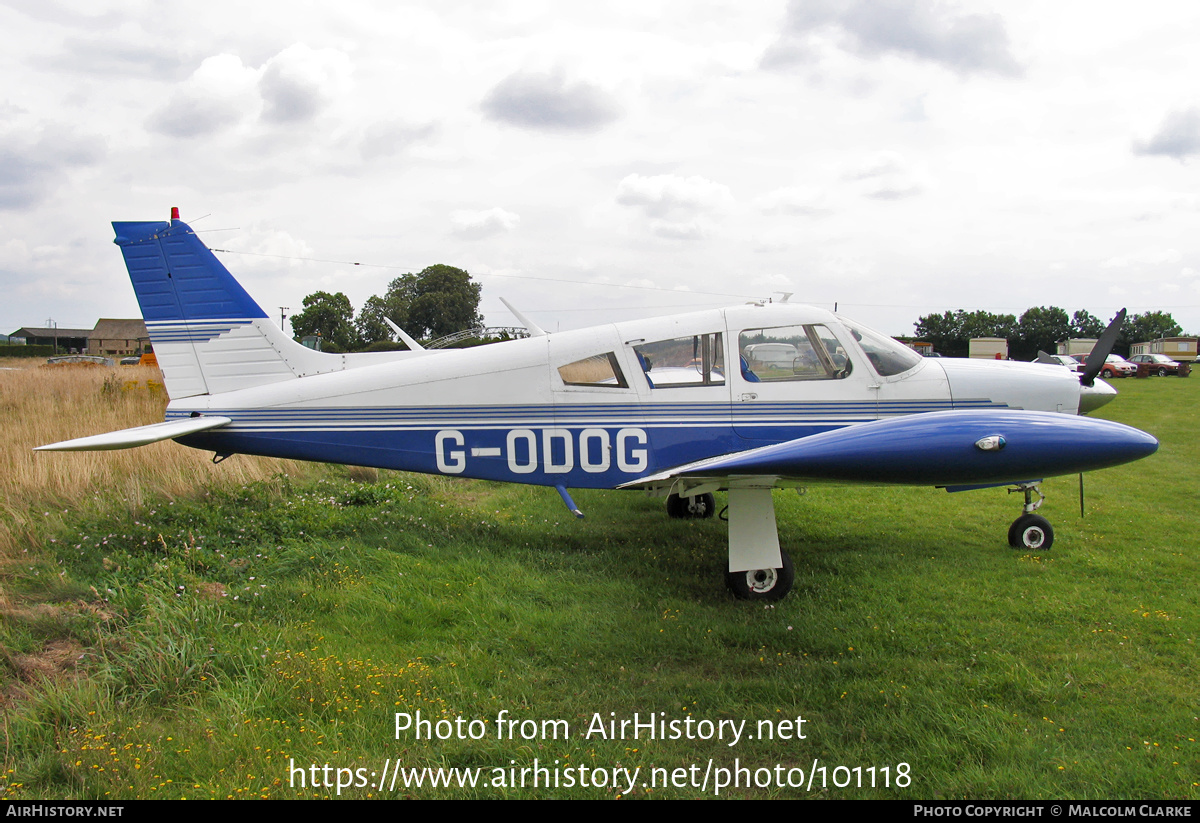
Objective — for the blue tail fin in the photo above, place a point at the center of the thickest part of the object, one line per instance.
(177, 278)
(208, 334)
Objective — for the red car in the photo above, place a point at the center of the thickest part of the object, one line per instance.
(1159, 364)
(1117, 366)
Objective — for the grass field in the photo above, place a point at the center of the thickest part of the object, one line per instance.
(220, 635)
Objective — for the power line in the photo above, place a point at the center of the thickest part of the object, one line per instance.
(741, 295)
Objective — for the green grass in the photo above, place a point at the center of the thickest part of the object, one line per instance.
(225, 637)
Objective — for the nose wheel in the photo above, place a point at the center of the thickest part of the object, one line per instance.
(1030, 531)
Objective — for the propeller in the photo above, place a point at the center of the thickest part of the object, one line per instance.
(1044, 357)
(1102, 350)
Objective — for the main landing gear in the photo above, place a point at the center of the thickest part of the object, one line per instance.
(757, 568)
(1030, 531)
(763, 584)
(699, 507)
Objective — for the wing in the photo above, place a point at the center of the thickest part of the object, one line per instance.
(951, 448)
(140, 436)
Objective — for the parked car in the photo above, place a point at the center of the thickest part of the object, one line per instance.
(1062, 360)
(1117, 366)
(1159, 364)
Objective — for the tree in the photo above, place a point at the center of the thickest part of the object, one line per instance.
(1150, 326)
(944, 331)
(370, 324)
(438, 300)
(394, 305)
(444, 301)
(951, 332)
(1085, 325)
(330, 316)
(1040, 329)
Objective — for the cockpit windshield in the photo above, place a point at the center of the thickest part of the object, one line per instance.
(887, 356)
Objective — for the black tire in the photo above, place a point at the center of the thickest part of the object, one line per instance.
(763, 584)
(1031, 532)
(700, 507)
(1162, 372)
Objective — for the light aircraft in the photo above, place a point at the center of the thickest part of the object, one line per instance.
(743, 399)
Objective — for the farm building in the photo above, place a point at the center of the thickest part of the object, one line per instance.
(118, 338)
(66, 340)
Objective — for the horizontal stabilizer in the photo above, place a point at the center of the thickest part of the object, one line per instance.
(140, 436)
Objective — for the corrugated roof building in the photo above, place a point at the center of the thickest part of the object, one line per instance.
(67, 339)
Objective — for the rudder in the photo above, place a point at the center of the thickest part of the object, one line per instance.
(209, 335)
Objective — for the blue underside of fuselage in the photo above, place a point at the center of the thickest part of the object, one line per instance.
(937, 449)
(581, 458)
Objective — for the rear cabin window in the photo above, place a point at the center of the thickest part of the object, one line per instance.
(809, 352)
(601, 371)
(698, 360)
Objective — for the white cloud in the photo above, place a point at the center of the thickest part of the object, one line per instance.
(663, 193)
(795, 200)
(300, 81)
(546, 101)
(475, 225)
(886, 175)
(294, 86)
(938, 33)
(33, 165)
(219, 94)
(389, 137)
(690, 230)
(269, 248)
(1145, 257)
(1178, 136)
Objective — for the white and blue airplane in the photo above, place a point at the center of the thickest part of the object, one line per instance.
(744, 399)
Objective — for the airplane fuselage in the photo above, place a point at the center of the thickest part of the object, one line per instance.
(600, 407)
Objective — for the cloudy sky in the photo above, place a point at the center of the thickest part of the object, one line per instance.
(610, 160)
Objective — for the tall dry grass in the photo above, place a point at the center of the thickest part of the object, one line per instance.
(42, 404)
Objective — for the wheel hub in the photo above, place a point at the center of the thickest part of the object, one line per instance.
(761, 580)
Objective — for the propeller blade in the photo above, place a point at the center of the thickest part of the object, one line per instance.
(1043, 357)
(1102, 350)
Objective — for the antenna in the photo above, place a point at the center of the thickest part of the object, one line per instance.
(534, 329)
(413, 345)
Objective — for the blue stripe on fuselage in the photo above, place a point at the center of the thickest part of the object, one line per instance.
(580, 446)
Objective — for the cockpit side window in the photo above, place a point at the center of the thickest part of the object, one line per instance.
(601, 371)
(698, 360)
(808, 352)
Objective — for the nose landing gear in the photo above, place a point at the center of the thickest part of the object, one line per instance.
(1030, 531)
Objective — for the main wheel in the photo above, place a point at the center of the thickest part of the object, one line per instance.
(763, 584)
(1031, 532)
(699, 507)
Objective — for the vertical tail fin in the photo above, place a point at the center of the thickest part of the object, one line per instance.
(208, 333)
